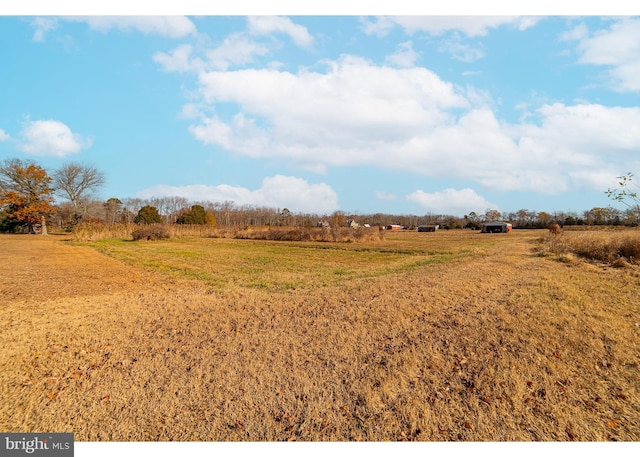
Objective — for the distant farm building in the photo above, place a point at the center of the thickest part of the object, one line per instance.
(428, 228)
(393, 227)
(496, 227)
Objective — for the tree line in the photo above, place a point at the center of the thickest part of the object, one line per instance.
(27, 202)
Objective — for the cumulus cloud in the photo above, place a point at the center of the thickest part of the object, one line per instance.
(617, 48)
(450, 201)
(267, 25)
(409, 119)
(50, 138)
(4, 136)
(471, 26)
(354, 102)
(278, 191)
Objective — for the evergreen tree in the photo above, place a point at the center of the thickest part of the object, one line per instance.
(148, 215)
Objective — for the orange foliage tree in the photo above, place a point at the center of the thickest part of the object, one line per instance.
(25, 191)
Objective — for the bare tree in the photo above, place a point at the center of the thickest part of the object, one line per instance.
(113, 210)
(75, 182)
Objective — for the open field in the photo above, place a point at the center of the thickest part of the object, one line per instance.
(423, 336)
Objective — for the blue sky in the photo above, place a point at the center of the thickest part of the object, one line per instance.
(360, 113)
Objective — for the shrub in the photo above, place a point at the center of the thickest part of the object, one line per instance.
(148, 215)
(151, 233)
(196, 215)
(9, 224)
(554, 229)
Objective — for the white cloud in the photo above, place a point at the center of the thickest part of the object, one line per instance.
(471, 26)
(277, 191)
(458, 26)
(617, 48)
(42, 25)
(450, 201)
(179, 59)
(409, 119)
(266, 25)
(579, 32)
(50, 138)
(241, 136)
(404, 57)
(236, 49)
(348, 102)
(167, 26)
(4, 136)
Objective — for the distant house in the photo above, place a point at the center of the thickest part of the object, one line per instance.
(352, 224)
(323, 224)
(393, 227)
(428, 228)
(496, 227)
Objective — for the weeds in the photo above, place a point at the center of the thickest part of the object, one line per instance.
(617, 248)
(88, 231)
(336, 235)
(151, 233)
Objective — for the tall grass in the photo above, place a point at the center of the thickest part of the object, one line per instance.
(338, 234)
(613, 247)
(87, 231)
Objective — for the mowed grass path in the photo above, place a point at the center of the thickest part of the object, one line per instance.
(277, 265)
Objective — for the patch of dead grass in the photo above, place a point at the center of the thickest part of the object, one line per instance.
(620, 247)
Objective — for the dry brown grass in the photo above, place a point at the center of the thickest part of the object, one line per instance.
(88, 231)
(336, 234)
(619, 248)
(501, 345)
